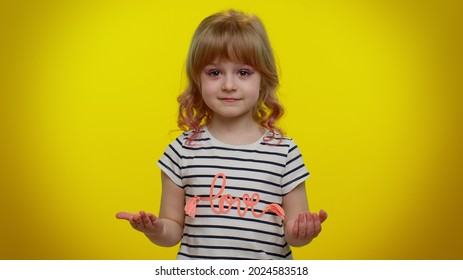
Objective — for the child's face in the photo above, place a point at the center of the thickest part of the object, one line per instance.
(230, 89)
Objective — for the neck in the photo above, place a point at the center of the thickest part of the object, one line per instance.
(235, 132)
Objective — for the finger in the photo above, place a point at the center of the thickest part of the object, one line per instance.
(296, 228)
(323, 216)
(152, 218)
(302, 224)
(137, 221)
(124, 215)
(146, 220)
(133, 223)
(142, 216)
(316, 224)
(309, 223)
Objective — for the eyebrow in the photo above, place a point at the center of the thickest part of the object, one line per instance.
(218, 65)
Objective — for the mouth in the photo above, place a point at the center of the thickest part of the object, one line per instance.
(229, 99)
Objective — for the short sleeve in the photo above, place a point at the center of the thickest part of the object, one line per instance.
(295, 171)
(171, 161)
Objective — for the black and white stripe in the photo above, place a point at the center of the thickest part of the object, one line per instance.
(271, 169)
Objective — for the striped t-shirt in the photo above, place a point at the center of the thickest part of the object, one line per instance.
(235, 184)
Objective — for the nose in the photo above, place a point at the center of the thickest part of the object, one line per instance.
(229, 83)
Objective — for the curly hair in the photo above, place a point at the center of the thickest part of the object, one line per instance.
(236, 37)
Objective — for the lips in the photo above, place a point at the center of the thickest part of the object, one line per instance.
(228, 99)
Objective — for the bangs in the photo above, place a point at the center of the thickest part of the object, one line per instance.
(228, 41)
(230, 47)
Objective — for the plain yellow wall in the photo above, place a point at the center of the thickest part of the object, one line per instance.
(88, 103)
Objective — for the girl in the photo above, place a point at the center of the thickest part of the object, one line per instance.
(232, 185)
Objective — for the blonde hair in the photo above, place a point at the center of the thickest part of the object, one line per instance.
(237, 37)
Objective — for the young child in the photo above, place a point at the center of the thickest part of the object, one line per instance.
(232, 185)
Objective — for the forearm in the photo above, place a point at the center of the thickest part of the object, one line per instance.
(168, 236)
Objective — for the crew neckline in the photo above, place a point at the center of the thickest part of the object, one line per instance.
(252, 144)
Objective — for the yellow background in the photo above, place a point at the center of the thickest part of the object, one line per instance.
(373, 92)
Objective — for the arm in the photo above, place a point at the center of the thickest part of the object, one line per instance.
(168, 228)
(301, 226)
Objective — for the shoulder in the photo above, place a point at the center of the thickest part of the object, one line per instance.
(282, 144)
(276, 139)
(190, 138)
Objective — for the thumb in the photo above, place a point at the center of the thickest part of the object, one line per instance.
(124, 215)
(323, 215)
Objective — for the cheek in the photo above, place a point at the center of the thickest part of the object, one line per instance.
(207, 88)
(208, 94)
(256, 85)
(254, 90)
